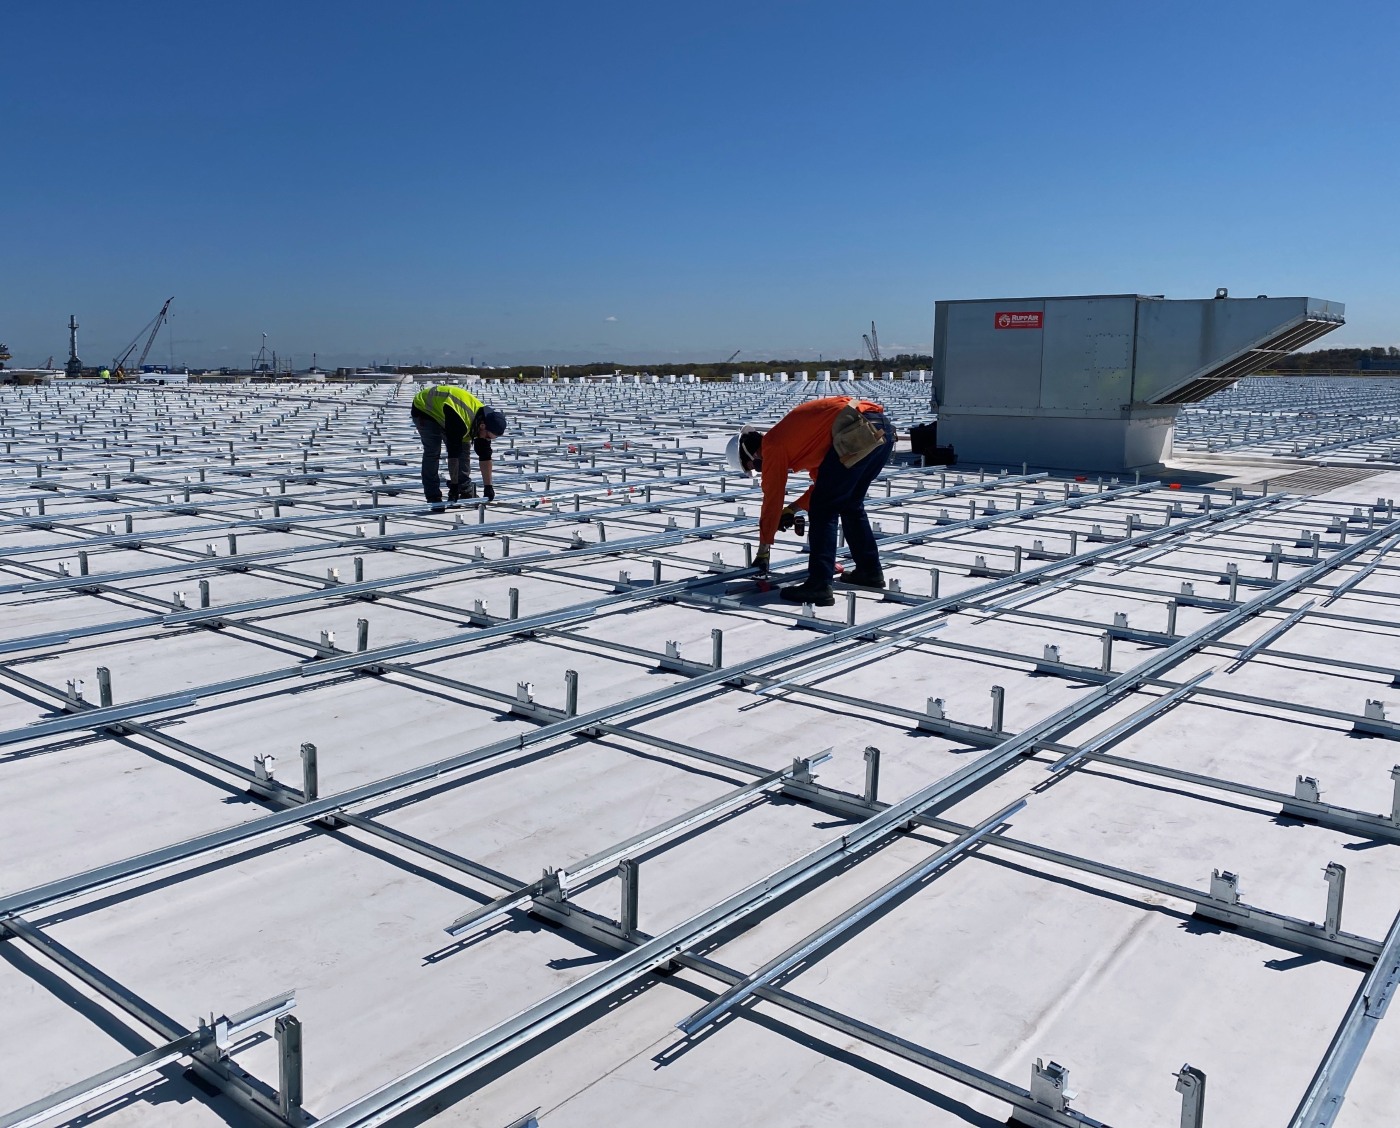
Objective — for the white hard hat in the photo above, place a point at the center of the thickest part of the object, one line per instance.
(731, 452)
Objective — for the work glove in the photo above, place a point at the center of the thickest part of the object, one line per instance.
(489, 490)
(794, 519)
(760, 561)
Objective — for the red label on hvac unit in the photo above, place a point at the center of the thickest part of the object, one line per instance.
(1020, 320)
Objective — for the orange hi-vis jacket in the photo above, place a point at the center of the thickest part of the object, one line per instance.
(799, 442)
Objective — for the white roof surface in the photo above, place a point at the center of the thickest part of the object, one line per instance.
(994, 961)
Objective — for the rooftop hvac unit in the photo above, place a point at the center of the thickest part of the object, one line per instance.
(1095, 382)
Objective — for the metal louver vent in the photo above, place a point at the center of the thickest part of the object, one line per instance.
(1252, 360)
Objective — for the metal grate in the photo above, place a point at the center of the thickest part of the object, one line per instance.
(1321, 479)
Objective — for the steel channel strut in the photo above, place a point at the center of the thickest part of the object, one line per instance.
(828, 932)
(240, 1086)
(1322, 1102)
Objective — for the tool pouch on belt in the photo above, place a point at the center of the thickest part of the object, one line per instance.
(853, 436)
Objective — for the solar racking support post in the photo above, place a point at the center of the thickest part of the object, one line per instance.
(627, 872)
(1335, 875)
(1191, 1084)
(289, 1086)
(310, 786)
(872, 773)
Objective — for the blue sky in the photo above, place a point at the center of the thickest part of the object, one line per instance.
(563, 182)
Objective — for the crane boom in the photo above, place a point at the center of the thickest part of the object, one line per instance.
(872, 343)
(160, 320)
(153, 327)
(732, 355)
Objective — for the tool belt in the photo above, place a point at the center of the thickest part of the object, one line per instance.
(853, 436)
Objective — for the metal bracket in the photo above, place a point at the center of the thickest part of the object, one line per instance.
(551, 888)
(872, 773)
(1191, 1084)
(1335, 875)
(1050, 1086)
(1225, 887)
(289, 1079)
(1306, 788)
(1375, 722)
(1225, 907)
(802, 767)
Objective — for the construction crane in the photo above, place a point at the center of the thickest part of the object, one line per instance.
(872, 344)
(152, 327)
(732, 355)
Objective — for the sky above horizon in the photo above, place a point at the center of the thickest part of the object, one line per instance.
(563, 183)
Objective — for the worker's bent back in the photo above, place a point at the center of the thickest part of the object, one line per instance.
(436, 401)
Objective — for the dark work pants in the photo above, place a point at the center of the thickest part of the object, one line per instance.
(431, 433)
(840, 493)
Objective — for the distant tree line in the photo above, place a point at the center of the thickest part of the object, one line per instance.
(1379, 358)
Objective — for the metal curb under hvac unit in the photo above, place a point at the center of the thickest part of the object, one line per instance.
(1097, 380)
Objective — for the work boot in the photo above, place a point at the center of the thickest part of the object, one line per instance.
(859, 577)
(808, 592)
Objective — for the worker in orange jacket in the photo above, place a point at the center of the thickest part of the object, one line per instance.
(807, 438)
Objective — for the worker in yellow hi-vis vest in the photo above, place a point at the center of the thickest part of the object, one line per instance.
(447, 414)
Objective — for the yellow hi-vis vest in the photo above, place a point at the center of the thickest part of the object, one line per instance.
(435, 401)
